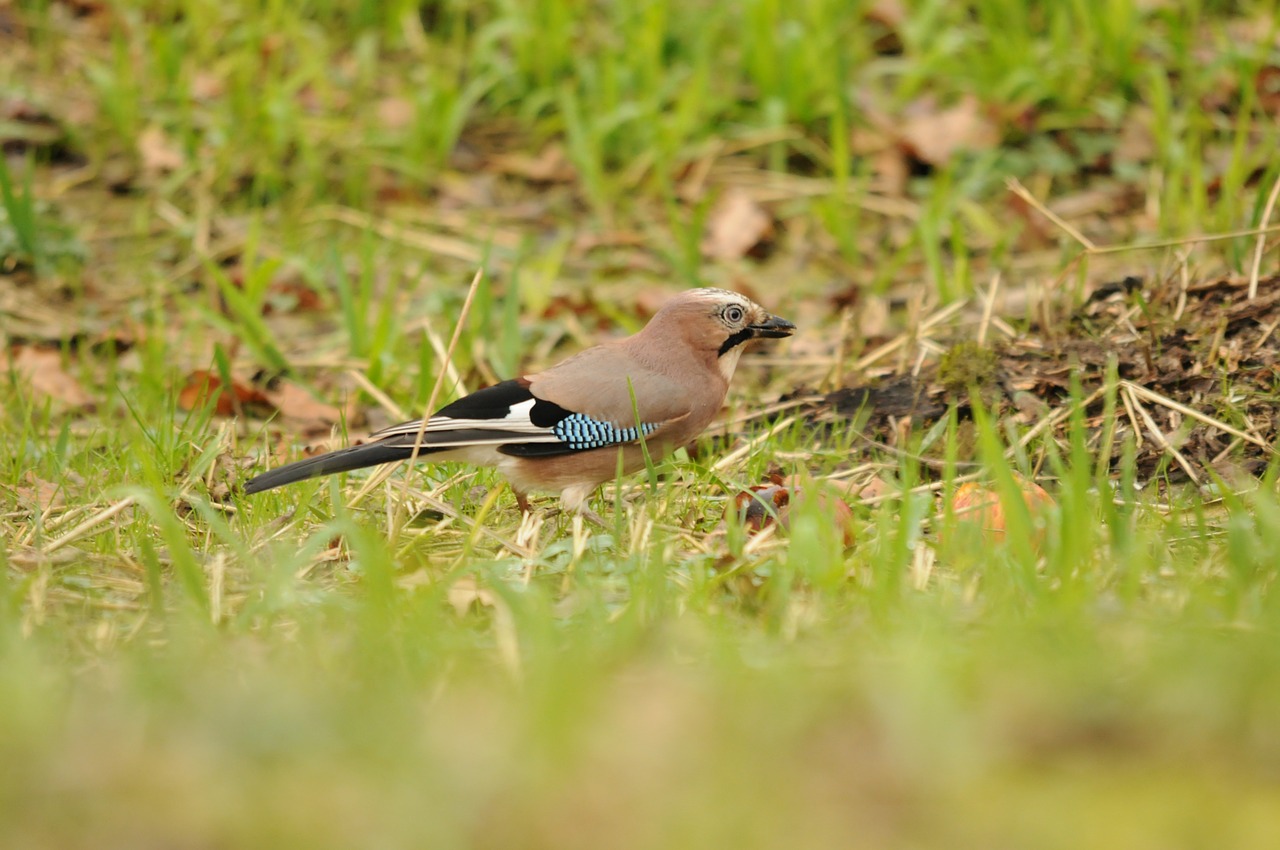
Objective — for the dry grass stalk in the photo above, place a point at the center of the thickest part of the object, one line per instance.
(1164, 401)
(84, 528)
(1158, 436)
(1261, 240)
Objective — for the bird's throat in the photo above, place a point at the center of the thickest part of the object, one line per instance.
(729, 362)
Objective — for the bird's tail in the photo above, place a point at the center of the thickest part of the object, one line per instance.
(343, 460)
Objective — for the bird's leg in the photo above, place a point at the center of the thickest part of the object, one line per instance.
(591, 516)
(574, 498)
(522, 500)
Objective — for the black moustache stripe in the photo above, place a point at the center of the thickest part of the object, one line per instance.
(734, 340)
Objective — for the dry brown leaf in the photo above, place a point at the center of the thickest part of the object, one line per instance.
(1267, 83)
(303, 412)
(549, 166)
(874, 489)
(40, 493)
(736, 226)
(42, 368)
(466, 592)
(207, 86)
(291, 296)
(1137, 143)
(894, 171)
(827, 505)
(239, 397)
(396, 113)
(758, 507)
(288, 292)
(158, 152)
(871, 140)
(890, 13)
(934, 135)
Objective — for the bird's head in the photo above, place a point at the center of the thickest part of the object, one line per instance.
(719, 322)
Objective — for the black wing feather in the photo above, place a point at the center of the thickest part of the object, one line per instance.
(489, 403)
(343, 460)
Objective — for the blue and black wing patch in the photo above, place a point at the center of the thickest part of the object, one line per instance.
(577, 432)
(580, 432)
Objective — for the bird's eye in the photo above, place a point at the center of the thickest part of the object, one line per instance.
(734, 314)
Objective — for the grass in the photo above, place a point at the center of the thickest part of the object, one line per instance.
(184, 666)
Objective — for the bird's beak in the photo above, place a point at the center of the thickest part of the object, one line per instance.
(773, 327)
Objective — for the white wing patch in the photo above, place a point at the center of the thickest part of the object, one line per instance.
(515, 422)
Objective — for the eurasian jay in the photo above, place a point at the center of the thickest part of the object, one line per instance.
(561, 430)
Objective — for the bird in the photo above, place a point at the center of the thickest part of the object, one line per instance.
(562, 430)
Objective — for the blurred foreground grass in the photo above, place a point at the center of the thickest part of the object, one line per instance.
(182, 667)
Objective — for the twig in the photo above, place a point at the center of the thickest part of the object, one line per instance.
(446, 368)
(89, 524)
(1187, 240)
(1022, 192)
(452, 512)
(1165, 401)
(1266, 334)
(448, 361)
(761, 413)
(1262, 239)
(378, 395)
(1158, 435)
(438, 348)
(1184, 283)
(733, 456)
(988, 308)
(931, 487)
(1091, 248)
(902, 339)
(1053, 419)
(1127, 401)
(431, 242)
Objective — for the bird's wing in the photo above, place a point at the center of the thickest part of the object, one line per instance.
(600, 398)
(607, 383)
(521, 420)
(502, 413)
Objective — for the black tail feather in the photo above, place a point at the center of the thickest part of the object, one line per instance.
(343, 460)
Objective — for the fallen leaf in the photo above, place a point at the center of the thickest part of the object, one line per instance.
(42, 369)
(890, 13)
(1267, 83)
(158, 152)
(288, 291)
(396, 113)
(291, 296)
(876, 488)
(736, 226)
(549, 166)
(240, 397)
(934, 135)
(305, 414)
(40, 493)
(466, 592)
(762, 505)
(978, 506)
(206, 85)
(891, 166)
(1137, 143)
(23, 123)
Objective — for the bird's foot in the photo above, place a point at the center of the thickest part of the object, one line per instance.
(592, 517)
(582, 511)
